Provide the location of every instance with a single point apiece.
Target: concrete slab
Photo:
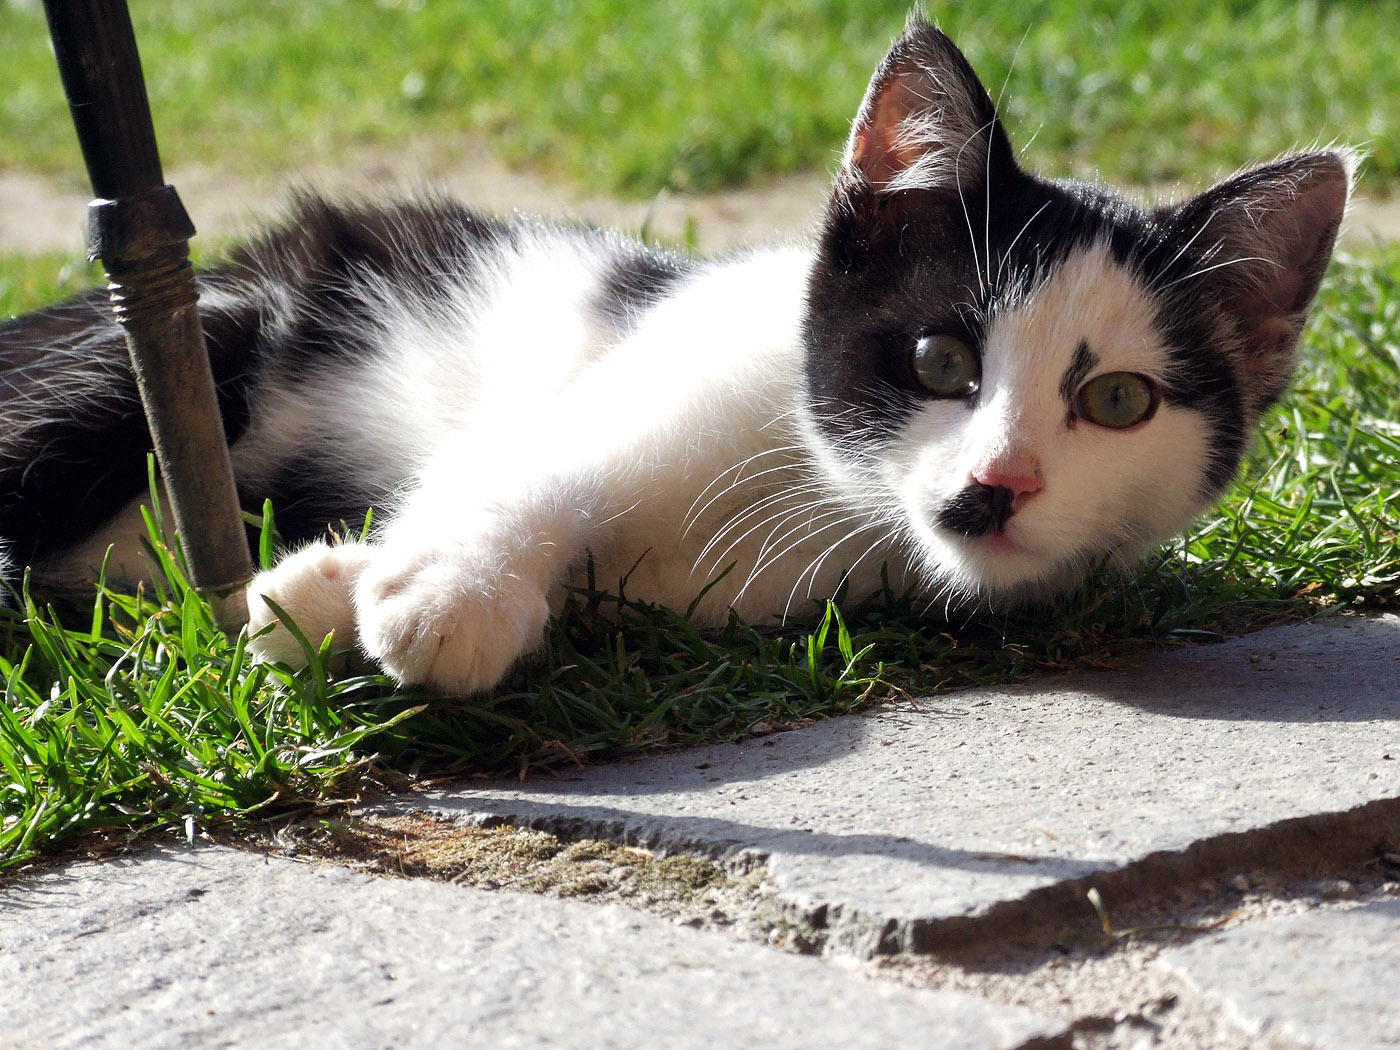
(894, 826)
(1329, 979)
(213, 947)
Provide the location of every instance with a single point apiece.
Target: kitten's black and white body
(976, 380)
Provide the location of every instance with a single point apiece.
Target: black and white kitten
(986, 381)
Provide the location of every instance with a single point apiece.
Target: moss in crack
(692, 890)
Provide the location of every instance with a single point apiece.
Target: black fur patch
(73, 437)
(328, 261)
(637, 280)
(1083, 362)
(308, 502)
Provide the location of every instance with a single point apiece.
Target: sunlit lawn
(146, 717)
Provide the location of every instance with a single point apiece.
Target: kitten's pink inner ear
(1267, 318)
(882, 149)
(1302, 236)
(1267, 310)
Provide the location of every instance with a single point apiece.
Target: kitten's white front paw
(436, 618)
(314, 586)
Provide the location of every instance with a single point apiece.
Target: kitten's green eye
(946, 366)
(1117, 400)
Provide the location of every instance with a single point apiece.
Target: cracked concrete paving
(1243, 799)
(1323, 980)
(215, 947)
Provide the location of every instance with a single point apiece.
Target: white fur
(535, 441)
(686, 448)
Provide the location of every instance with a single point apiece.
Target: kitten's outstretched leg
(452, 615)
(314, 586)
(455, 608)
(441, 617)
(456, 583)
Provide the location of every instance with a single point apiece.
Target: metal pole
(139, 229)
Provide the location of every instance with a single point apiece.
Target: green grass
(146, 717)
(30, 281)
(694, 94)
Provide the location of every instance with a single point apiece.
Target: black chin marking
(978, 510)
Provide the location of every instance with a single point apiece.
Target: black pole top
(96, 50)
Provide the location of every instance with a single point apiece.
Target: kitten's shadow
(1044, 751)
(1346, 669)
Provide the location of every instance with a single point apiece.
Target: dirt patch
(46, 214)
(690, 891)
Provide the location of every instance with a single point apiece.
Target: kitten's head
(1029, 376)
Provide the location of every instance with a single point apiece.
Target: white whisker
(692, 515)
(747, 513)
(736, 469)
(781, 518)
(814, 569)
(1218, 266)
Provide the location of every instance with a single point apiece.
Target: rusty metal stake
(139, 229)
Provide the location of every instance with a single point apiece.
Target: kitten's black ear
(1267, 236)
(927, 123)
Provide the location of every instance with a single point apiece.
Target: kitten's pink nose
(1020, 482)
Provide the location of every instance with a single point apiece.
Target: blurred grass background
(632, 98)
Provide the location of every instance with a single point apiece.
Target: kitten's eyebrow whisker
(1205, 225)
(977, 262)
(1006, 255)
(1010, 69)
(1217, 266)
(987, 196)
